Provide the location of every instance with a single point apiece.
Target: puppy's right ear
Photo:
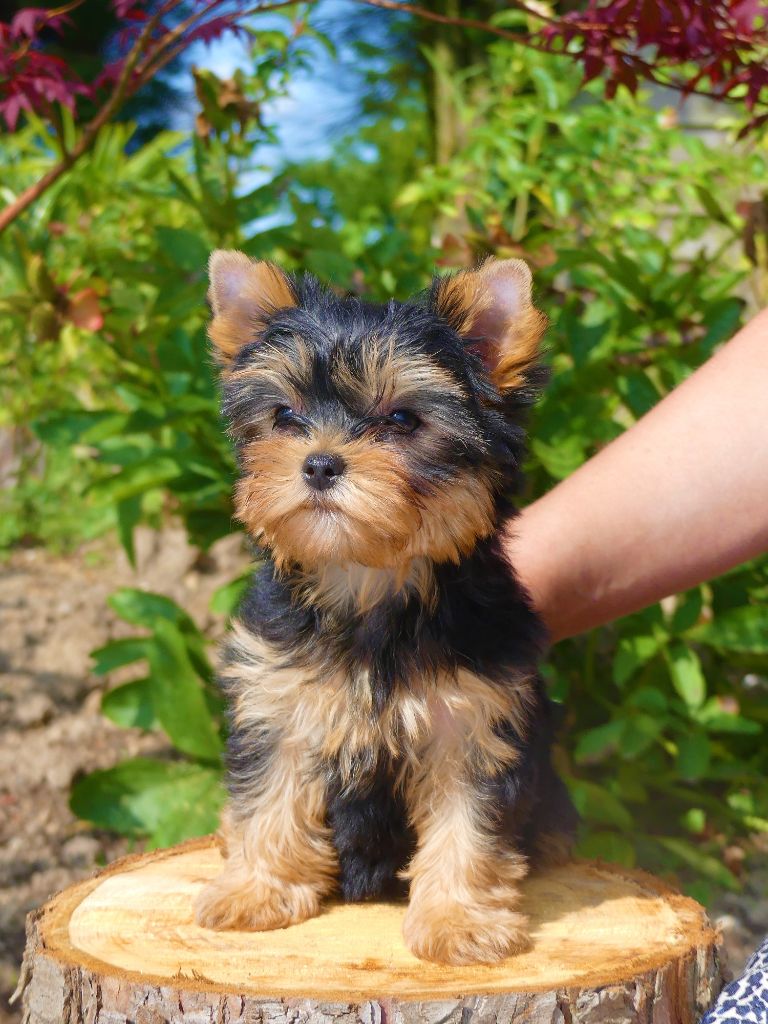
(244, 294)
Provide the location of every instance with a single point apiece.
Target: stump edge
(60, 984)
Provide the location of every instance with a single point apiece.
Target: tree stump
(610, 946)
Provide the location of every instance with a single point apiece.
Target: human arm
(681, 497)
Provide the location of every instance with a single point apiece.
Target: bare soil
(53, 612)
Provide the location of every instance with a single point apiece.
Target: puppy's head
(373, 433)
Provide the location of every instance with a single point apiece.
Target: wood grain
(608, 945)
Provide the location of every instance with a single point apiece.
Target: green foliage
(670, 726)
(131, 402)
(630, 223)
(164, 800)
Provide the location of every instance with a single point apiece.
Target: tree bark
(609, 947)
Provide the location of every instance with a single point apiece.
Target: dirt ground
(53, 611)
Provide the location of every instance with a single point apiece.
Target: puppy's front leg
(464, 878)
(280, 860)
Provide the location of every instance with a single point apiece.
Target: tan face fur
(403, 495)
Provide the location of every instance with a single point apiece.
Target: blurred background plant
(643, 217)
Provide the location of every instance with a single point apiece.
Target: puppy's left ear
(244, 294)
(491, 307)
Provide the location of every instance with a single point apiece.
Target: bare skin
(679, 498)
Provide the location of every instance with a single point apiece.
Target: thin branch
(148, 56)
(644, 69)
(261, 8)
(157, 61)
(56, 12)
(140, 65)
(445, 19)
(92, 129)
(172, 35)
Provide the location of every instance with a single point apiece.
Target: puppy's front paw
(459, 935)
(254, 906)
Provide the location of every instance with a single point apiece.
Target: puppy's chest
(340, 714)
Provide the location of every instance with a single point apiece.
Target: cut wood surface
(608, 946)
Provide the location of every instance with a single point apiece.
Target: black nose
(322, 471)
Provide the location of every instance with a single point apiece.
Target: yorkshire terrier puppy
(387, 721)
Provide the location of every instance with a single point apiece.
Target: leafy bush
(166, 800)
(630, 222)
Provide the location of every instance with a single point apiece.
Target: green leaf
(330, 264)
(257, 203)
(136, 479)
(79, 425)
(582, 338)
(639, 392)
(704, 863)
(741, 629)
(182, 185)
(722, 319)
(596, 744)
(755, 824)
(711, 205)
(650, 700)
(118, 653)
(735, 725)
(206, 526)
(546, 87)
(560, 460)
(640, 732)
(183, 248)
(687, 677)
(412, 192)
(225, 599)
(144, 608)
(610, 846)
(629, 785)
(128, 516)
(703, 892)
(719, 716)
(687, 611)
(633, 652)
(178, 696)
(165, 800)
(130, 705)
(694, 820)
(598, 805)
(693, 756)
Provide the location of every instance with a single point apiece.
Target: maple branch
(484, 26)
(167, 51)
(148, 56)
(143, 61)
(90, 132)
(644, 69)
(172, 35)
(56, 12)
(276, 5)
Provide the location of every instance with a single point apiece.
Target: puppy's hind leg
(372, 837)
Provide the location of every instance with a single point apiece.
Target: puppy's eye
(404, 419)
(284, 416)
